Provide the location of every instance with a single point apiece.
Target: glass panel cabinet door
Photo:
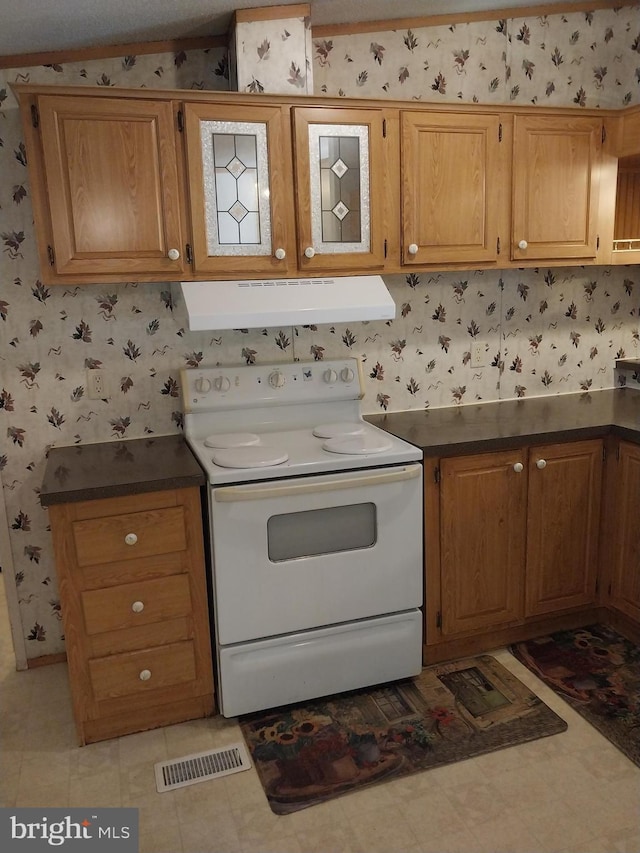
(339, 171)
(239, 172)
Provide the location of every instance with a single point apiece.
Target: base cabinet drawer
(133, 604)
(133, 673)
(125, 537)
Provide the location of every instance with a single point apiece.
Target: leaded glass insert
(339, 160)
(235, 166)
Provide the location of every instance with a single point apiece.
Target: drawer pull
(137, 606)
(145, 675)
(131, 538)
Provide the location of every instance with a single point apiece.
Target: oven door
(291, 555)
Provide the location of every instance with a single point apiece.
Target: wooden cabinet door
(563, 522)
(483, 529)
(111, 173)
(240, 175)
(625, 583)
(555, 187)
(455, 180)
(340, 177)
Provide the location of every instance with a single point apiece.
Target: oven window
(321, 531)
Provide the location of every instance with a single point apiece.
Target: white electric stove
(315, 533)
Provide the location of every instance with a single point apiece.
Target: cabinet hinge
(385, 248)
(598, 242)
(498, 246)
(597, 586)
(618, 453)
(52, 257)
(609, 589)
(604, 134)
(604, 453)
(500, 132)
(384, 128)
(180, 119)
(35, 116)
(189, 253)
(438, 619)
(436, 474)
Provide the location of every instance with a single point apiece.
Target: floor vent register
(201, 766)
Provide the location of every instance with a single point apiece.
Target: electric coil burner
(315, 533)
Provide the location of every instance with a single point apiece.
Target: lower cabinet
(132, 583)
(511, 536)
(625, 580)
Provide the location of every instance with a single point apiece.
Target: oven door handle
(273, 490)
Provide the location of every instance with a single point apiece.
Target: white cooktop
(253, 423)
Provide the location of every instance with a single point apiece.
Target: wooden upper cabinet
(455, 181)
(555, 187)
(111, 201)
(483, 505)
(625, 582)
(240, 184)
(340, 178)
(564, 518)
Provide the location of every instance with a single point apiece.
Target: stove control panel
(217, 388)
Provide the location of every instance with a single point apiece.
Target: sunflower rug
(597, 671)
(306, 754)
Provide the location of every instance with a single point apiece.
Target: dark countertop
(111, 469)
(512, 423)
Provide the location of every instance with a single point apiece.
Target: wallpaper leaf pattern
(543, 331)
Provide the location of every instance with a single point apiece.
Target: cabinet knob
(309, 252)
(173, 254)
(280, 254)
(413, 248)
(131, 538)
(137, 606)
(522, 244)
(518, 467)
(541, 463)
(145, 675)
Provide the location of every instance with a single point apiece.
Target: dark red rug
(597, 671)
(305, 754)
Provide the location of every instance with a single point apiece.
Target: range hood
(253, 304)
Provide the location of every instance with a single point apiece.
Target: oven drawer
(283, 670)
(135, 673)
(125, 537)
(133, 604)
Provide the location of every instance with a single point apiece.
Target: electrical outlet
(96, 385)
(478, 354)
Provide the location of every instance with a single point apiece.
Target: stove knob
(202, 385)
(346, 374)
(221, 383)
(330, 376)
(276, 379)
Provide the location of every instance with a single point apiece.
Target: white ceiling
(32, 26)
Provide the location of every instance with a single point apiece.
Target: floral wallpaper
(272, 56)
(543, 331)
(585, 59)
